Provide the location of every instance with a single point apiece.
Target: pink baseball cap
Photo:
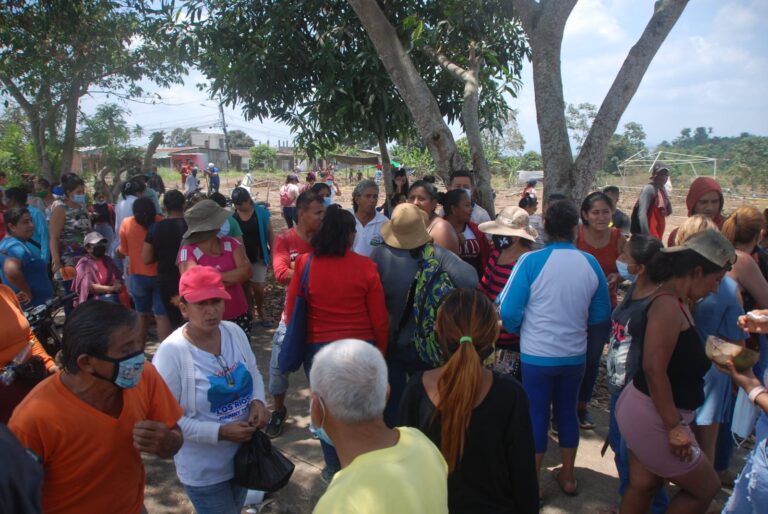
(202, 283)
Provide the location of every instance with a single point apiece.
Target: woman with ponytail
(478, 419)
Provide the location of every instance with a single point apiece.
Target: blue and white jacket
(552, 298)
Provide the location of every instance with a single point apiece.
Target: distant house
(208, 140)
(175, 157)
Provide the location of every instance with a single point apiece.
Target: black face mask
(502, 242)
(99, 251)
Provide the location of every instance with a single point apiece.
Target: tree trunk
(592, 155)
(412, 88)
(470, 114)
(544, 23)
(155, 141)
(386, 168)
(70, 126)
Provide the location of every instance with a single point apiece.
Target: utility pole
(226, 135)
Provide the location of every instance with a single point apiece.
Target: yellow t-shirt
(410, 477)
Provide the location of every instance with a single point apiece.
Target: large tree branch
(454, 69)
(410, 85)
(528, 10)
(627, 81)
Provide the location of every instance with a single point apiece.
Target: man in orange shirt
(90, 423)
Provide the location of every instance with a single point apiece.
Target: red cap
(201, 283)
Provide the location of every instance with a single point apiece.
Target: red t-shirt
(605, 256)
(346, 299)
(287, 247)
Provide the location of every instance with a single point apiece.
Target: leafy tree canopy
(239, 139)
(54, 52)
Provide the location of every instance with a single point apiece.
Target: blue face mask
(327, 202)
(320, 431)
(79, 199)
(127, 372)
(623, 269)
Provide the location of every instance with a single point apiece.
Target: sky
(711, 71)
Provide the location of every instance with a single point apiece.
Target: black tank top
(686, 368)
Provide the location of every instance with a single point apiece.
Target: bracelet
(755, 392)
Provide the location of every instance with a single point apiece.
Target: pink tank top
(238, 305)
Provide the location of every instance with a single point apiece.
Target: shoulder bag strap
(305, 277)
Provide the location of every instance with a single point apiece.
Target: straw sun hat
(407, 229)
(511, 221)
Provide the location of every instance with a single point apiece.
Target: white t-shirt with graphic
(225, 385)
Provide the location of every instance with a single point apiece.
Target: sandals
(572, 492)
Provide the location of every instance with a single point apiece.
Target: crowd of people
(443, 348)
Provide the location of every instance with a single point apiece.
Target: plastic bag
(260, 466)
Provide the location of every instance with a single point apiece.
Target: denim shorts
(146, 295)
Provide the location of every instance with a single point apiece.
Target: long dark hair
(144, 212)
(333, 237)
(451, 199)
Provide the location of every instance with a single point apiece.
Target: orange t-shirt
(89, 460)
(132, 237)
(15, 330)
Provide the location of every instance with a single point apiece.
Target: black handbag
(258, 465)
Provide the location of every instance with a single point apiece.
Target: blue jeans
(556, 386)
(621, 458)
(146, 295)
(750, 493)
(329, 452)
(402, 363)
(289, 215)
(222, 498)
(278, 381)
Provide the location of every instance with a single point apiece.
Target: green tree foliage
(742, 159)
(239, 139)
(578, 119)
(623, 146)
(107, 127)
(262, 156)
(17, 156)
(181, 137)
(54, 52)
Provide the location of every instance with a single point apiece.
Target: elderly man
(384, 470)
(90, 423)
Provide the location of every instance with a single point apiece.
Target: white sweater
(174, 362)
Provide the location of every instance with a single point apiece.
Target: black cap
(240, 195)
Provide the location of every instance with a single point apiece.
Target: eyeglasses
(225, 369)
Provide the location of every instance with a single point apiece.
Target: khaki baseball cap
(710, 244)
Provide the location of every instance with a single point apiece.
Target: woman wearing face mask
(97, 275)
(473, 245)
(626, 339)
(210, 369)
(512, 237)
(323, 190)
(423, 195)
(597, 238)
(69, 225)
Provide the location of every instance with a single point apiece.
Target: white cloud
(592, 17)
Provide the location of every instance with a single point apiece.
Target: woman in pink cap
(210, 368)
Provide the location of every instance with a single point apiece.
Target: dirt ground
(596, 474)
